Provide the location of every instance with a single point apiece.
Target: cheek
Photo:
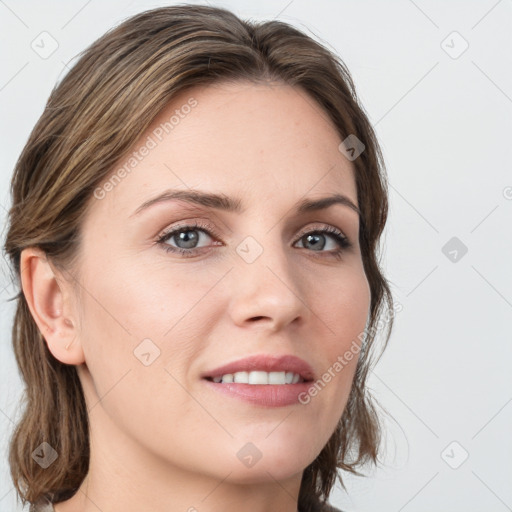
(344, 305)
(344, 308)
(141, 329)
(136, 309)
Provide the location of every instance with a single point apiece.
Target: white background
(445, 125)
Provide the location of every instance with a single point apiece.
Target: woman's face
(249, 282)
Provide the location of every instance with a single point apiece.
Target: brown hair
(92, 117)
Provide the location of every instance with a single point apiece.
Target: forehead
(257, 141)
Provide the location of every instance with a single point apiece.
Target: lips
(267, 363)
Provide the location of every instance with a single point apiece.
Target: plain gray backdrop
(436, 81)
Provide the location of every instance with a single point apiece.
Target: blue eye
(189, 236)
(317, 237)
(183, 235)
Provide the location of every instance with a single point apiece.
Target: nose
(267, 292)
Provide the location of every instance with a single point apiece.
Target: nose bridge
(264, 285)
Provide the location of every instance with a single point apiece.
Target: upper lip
(267, 363)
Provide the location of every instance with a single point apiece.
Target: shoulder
(330, 508)
(313, 504)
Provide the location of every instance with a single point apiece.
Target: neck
(123, 475)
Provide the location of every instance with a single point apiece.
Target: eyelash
(341, 239)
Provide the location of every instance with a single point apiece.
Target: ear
(51, 307)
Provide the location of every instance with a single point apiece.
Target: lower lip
(267, 395)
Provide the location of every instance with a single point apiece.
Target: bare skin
(161, 439)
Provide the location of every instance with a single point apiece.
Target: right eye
(185, 235)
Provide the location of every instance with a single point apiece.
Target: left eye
(316, 238)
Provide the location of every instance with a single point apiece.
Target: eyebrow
(226, 203)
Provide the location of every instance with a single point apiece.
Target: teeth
(259, 377)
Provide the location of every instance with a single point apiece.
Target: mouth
(263, 369)
(259, 377)
(256, 393)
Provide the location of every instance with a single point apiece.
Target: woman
(195, 228)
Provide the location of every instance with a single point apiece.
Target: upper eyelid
(191, 225)
(211, 231)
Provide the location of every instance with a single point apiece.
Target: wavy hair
(113, 92)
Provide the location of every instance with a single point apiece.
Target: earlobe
(50, 307)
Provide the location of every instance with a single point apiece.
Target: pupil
(189, 240)
(315, 239)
